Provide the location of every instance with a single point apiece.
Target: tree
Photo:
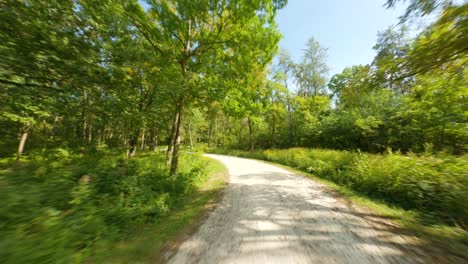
(197, 36)
(443, 41)
(349, 86)
(284, 69)
(311, 72)
(308, 115)
(249, 100)
(278, 114)
(435, 112)
(49, 53)
(364, 108)
(419, 7)
(391, 61)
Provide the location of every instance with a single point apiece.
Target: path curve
(270, 215)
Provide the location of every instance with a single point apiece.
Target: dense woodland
(89, 73)
(114, 73)
(100, 87)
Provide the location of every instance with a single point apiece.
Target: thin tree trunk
(44, 128)
(216, 131)
(100, 136)
(273, 131)
(190, 134)
(84, 115)
(210, 129)
(170, 146)
(239, 139)
(85, 127)
(143, 140)
(290, 130)
(90, 131)
(178, 129)
(133, 146)
(154, 139)
(250, 134)
(52, 129)
(22, 142)
(180, 105)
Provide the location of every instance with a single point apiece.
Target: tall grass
(69, 207)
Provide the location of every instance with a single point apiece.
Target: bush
(78, 203)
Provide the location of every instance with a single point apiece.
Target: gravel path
(270, 215)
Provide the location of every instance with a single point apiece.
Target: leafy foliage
(311, 72)
(410, 98)
(78, 203)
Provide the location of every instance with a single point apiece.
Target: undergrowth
(67, 207)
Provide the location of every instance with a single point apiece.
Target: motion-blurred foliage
(76, 203)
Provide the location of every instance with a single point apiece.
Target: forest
(106, 107)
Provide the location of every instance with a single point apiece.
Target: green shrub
(66, 207)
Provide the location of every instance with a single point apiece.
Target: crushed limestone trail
(270, 215)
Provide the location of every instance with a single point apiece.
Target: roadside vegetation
(71, 207)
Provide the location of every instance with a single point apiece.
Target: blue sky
(348, 28)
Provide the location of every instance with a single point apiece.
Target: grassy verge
(150, 243)
(75, 206)
(435, 235)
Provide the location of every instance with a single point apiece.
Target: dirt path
(269, 215)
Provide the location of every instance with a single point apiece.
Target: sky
(347, 28)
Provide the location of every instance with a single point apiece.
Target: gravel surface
(270, 215)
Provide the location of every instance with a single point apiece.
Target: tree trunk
(100, 136)
(178, 135)
(190, 134)
(84, 115)
(273, 132)
(210, 129)
(154, 140)
(180, 105)
(44, 128)
(90, 131)
(216, 132)
(290, 125)
(239, 140)
(133, 146)
(85, 127)
(143, 142)
(250, 134)
(52, 129)
(170, 146)
(22, 142)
